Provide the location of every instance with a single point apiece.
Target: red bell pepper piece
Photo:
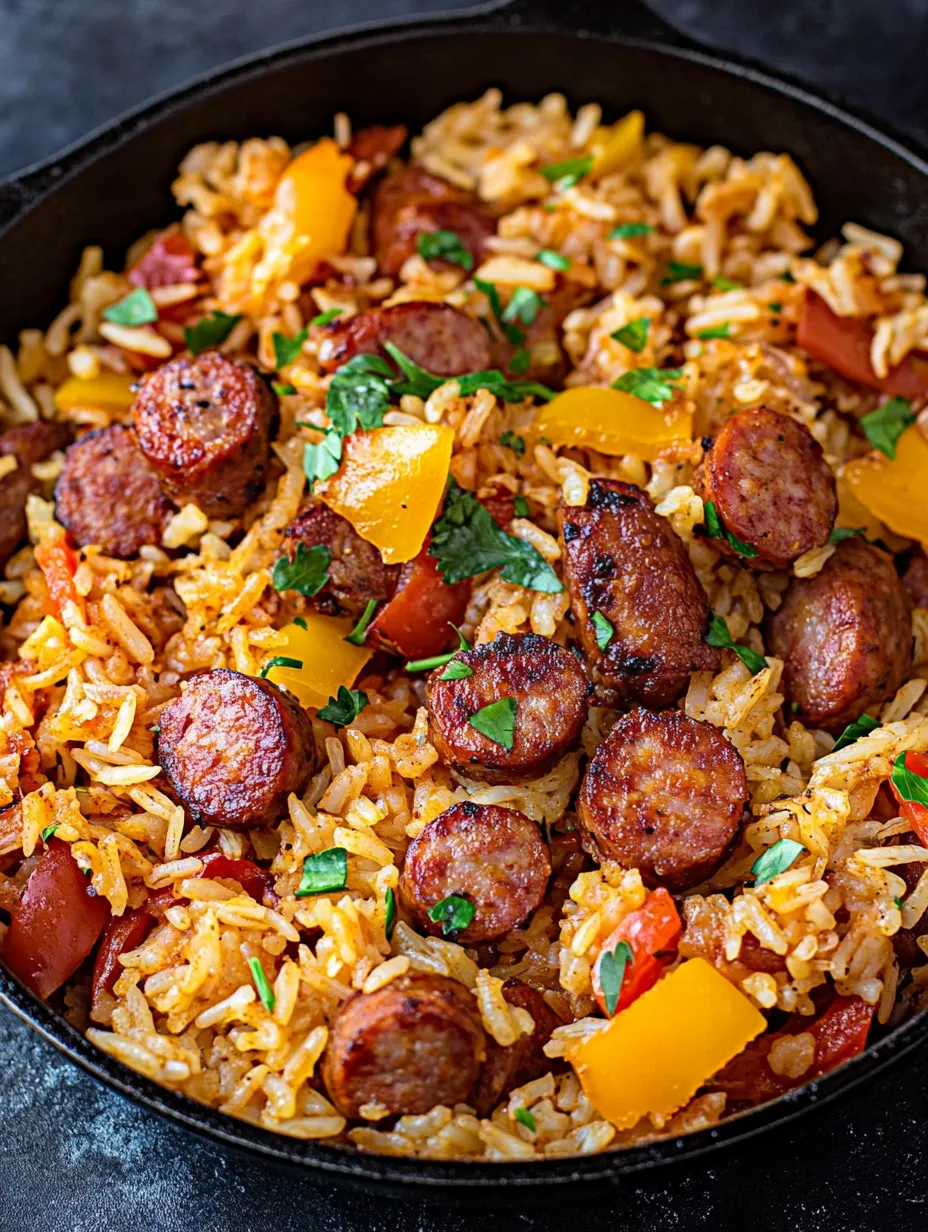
(652, 932)
(125, 933)
(843, 343)
(915, 813)
(59, 564)
(415, 623)
(840, 1033)
(169, 260)
(56, 923)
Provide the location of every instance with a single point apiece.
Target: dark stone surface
(75, 1157)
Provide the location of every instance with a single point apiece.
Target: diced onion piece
(656, 1054)
(893, 490)
(110, 391)
(613, 422)
(390, 485)
(328, 660)
(313, 210)
(616, 146)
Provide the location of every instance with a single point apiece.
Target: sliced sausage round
(412, 201)
(233, 748)
(664, 794)
(915, 578)
(494, 857)
(27, 443)
(771, 487)
(108, 494)
(205, 423)
(439, 338)
(372, 148)
(409, 1046)
(507, 1068)
(624, 561)
(845, 637)
(356, 571)
(550, 694)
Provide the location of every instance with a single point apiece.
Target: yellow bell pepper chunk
(614, 422)
(110, 391)
(328, 660)
(894, 489)
(390, 484)
(313, 210)
(654, 1056)
(616, 146)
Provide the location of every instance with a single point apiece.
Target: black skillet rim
(18, 194)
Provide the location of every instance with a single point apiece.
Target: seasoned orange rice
(81, 694)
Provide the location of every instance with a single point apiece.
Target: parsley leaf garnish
(520, 506)
(324, 872)
(457, 669)
(909, 786)
(265, 992)
(280, 661)
(426, 665)
(446, 245)
(860, 727)
(654, 385)
(210, 332)
(526, 1118)
(565, 174)
(634, 335)
(453, 913)
(359, 632)
(775, 307)
(323, 460)
(512, 441)
(725, 284)
(717, 331)
(612, 966)
(524, 305)
(359, 393)
(507, 391)
(327, 317)
(630, 230)
(719, 636)
(389, 920)
(343, 709)
(840, 533)
(307, 572)
(553, 260)
(497, 721)
(884, 426)
(679, 271)
(511, 332)
(604, 630)
(282, 390)
(136, 308)
(521, 358)
(466, 541)
(287, 349)
(49, 831)
(715, 529)
(776, 859)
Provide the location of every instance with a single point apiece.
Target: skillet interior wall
(124, 189)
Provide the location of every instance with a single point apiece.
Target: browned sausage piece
(550, 691)
(233, 748)
(439, 338)
(507, 1068)
(412, 201)
(356, 571)
(915, 578)
(845, 637)
(205, 423)
(625, 561)
(27, 443)
(372, 148)
(409, 1046)
(771, 486)
(108, 494)
(494, 857)
(664, 794)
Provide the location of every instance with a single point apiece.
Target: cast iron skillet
(114, 185)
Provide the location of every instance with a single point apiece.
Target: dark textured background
(74, 1157)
